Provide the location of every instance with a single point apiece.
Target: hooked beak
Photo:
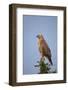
(37, 36)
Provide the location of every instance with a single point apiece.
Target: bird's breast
(39, 43)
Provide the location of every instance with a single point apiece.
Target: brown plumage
(44, 48)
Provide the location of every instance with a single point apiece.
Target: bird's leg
(42, 58)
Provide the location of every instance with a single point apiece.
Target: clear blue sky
(33, 25)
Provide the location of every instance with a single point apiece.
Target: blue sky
(33, 25)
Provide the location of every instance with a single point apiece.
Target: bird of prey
(44, 48)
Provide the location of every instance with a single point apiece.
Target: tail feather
(50, 61)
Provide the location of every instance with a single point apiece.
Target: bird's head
(39, 36)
